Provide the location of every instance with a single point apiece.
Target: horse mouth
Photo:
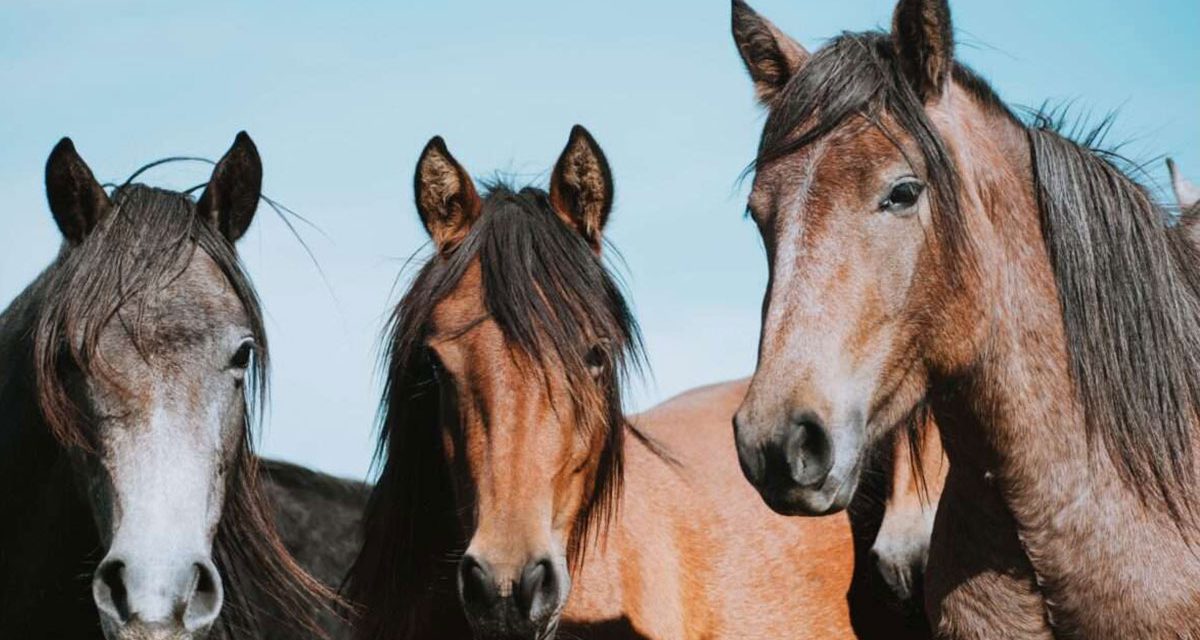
(155, 632)
(831, 496)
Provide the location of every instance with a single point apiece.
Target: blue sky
(341, 96)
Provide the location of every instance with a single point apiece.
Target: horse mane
(544, 287)
(1129, 293)
(1130, 298)
(145, 241)
(859, 75)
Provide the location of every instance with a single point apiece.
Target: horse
(916, 473)
(134, 506)
(516, 499)
(927, 245)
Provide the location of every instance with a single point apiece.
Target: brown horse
(925, 243)
(917, 473)
(509, 482)
(132, 504)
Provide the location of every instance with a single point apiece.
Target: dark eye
(903, 196)
(434, 363)
(241, 358)
(596, 360)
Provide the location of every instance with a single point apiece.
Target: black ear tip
(436, 143)
(580, 132)
(64, 146)
(1171, 165)
(742, 11)
(243, 142)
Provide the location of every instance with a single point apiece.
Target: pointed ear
(924, 41)
(231, 197)
(77, 201)
(1186, 193)
(771, 57)
(446, 196)
(581, 187)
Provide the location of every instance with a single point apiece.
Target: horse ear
(77, 201)
(446, 198)
(771, 57)
(1186, 193)
(231, 197)
(581, 187)
(924, 40)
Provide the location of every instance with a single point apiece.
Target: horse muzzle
(525, 606)
(157, 599)
(802, 465)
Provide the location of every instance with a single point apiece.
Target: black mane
(548, 292)
(1129, 291)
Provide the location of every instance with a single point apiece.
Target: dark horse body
(926, 245)
(319, 518)
(124, 431)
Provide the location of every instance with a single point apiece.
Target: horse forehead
(463, 305)
(187, 311)
(202, 296)
(845, 161)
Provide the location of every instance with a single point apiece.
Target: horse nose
(184, 595)
(902, 570)
(531, 597)
(538, 594)
(799, 454)
(808, 450)
(477, 584)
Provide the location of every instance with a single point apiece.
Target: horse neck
(1102, 559)
(48, 539)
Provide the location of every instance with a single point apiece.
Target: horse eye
(596, 360)
(903, 196)
(241, 358)
(435, 363)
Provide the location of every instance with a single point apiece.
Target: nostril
(109, 591)
(203, 604)
(476, 585)
(750, 454)
(538, 595)
(809, 452)
(876, 557)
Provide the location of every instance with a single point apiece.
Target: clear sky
(341, 96)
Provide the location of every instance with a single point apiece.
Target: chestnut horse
(132, 504)
(925, 243)
(511, 501)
